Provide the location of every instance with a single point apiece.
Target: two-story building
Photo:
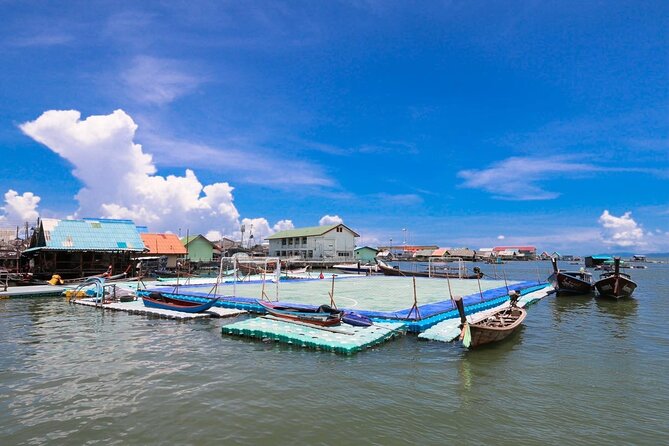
(330, 242)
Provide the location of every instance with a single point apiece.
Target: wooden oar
(331, 293)
(306, 324)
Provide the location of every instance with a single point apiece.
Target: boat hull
(390, 271)
(356, 269)
(566, 283)
(616, 286)
(305, 315)
(496, 327)
(356, 319)
(158, 300)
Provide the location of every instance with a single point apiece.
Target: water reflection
(564, 305)
(621, 314)
(478, 361)
(620, 309)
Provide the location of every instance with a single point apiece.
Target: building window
(283, 242)
(304, 240)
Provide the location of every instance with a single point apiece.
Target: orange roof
(163, 244)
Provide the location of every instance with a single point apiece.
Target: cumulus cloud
(19, 208)
(500, 237)
(119, 179)
(283, 225)
(260, 227)
(214, 236)
(330, 220)
(621, 231)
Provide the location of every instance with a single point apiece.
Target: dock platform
(31, 291)
(137, 307)
(345, 339)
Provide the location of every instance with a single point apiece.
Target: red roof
(163, 244)
(514, 248)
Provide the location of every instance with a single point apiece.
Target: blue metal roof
(91, 234)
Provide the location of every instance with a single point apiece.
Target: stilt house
(80, 248)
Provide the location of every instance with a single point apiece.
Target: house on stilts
(81, 248)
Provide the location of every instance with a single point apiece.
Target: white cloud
(517, 178)
(500, 237)
(283, 225)
(158, 81)
(257, 227)
(19, 208)
(330, 220)
(232, 156)
(213, 236)
(41, 39)
(119, 179)
(621, 231)
(260, 228)
(399, 199)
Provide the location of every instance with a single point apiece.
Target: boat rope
(414, 307)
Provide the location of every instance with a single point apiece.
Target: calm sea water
(581, 371)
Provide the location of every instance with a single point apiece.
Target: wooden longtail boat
(492, 328)
(159, 300)
(570, 282)
(614, 283)
(356, 268)
(324, 316)
(390, 271)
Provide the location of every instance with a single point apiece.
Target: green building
(365, 254)
(199, 248)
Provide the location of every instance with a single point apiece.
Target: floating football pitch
(375, 293)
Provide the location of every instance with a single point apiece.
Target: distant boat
(492, 328)
(570, 282)
(356, 268)
(614, 283)
(160, 300)
(495, 261)
(324, 316)
(252, 268)
(390, 271)
(166, 273)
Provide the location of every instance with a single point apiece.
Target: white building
(331, 242)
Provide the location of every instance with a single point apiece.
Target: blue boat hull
(169, 303)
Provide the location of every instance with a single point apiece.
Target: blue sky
(466, 123)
